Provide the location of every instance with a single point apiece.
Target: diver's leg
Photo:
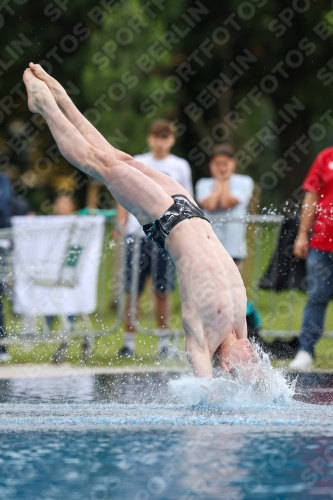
(145, 199)
(91, 135)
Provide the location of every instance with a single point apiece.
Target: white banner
(56, 263)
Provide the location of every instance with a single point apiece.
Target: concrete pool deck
(66, 369)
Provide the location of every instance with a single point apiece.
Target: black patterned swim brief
(180, 210)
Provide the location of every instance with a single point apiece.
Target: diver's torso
(211, 288)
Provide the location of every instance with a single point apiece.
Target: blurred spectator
(226, 194)
(64, 204)
(154, 262)
(5, 206)
(317, 210)
(20, 207)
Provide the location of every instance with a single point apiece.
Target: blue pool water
(166, 437)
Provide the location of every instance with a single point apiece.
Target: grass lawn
(105, 348)
(281, 311)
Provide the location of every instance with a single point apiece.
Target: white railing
(262, 237)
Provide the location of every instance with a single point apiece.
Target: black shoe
(125, 352)
(164, 351)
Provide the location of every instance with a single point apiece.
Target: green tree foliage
(119, 76)
(291, 45)
(289, 40)
(54, 34)
(277, 47)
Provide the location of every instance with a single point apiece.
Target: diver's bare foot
(37, 90)
(56, 89)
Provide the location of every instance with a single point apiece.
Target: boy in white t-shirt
(153, 262)
(227, 195)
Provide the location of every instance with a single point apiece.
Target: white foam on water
(255, 385)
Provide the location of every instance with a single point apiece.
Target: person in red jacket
(317, 216)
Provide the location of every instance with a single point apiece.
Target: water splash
(145, 401)
(254, 386)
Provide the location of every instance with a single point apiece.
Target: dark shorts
(154, 262)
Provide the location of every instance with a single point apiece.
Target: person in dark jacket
(285, 271)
